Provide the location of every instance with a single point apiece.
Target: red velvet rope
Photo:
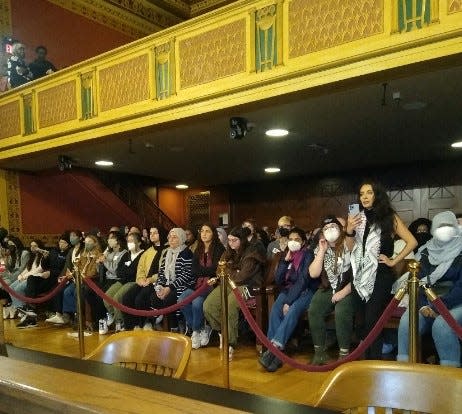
(444, 312)
(139, 312)
(316, 368)
(27, 299)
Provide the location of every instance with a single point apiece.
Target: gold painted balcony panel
(321, 24)
(213, 55)
(10, 123)
(124, 83)
(454, 6)
(57, 105)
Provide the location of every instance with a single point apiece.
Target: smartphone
(353, 209)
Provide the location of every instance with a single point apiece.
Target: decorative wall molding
(120, 19)
(199, 7)
(14, 202)
(148, 11)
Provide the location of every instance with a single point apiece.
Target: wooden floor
(204, 367)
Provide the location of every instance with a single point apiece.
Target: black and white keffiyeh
(335, 267)
(364, 262)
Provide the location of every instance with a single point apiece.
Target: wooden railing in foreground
(27, 388)
(38, 389)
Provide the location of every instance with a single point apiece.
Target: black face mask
(422, 238)
(283, 232)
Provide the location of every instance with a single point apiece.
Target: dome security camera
(238, 127)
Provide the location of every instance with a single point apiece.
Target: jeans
(19, 286)
(69, 299)
(446, 341)
(194, 311)
(282, 326)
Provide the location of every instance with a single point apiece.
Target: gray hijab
(438, 251)
(442, 254)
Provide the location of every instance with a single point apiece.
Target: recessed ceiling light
(182, 186)
(272, 170)
(456, 144)
(104, 163)
(277, 132)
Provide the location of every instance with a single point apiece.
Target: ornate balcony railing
(247, 51)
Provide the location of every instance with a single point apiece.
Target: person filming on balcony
(18, 72)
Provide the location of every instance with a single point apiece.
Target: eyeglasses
(232, 240)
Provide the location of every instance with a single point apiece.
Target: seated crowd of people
(347, 267)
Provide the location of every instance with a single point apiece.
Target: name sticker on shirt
(128, 263)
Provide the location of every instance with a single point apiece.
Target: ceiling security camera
(238, 128)
(64, 163)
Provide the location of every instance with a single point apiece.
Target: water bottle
(102, 325)
(118, 326)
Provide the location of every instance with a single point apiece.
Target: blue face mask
(74, 240)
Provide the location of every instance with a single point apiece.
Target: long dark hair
(121, 240)
(16, 253)
(35, 256)
(162, 235)
(79, 234)
(235, 255)
(383, 212)
(200, 250)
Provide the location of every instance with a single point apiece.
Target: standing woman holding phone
(369, 237)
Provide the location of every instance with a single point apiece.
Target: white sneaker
(58, 319)
(196, 339)
(147, 326)
(159, 319)
(6, 312)
(137, 328)
(205, 335)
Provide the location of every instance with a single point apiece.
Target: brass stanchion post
(413, 289)
(224, 322)
(3, 351)
(80, 312)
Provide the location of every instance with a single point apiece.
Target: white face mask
(331, 234)
(445, 233)
(112, 243)
(131, 246)
(294, 246)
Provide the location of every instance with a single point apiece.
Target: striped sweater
(183, 272)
